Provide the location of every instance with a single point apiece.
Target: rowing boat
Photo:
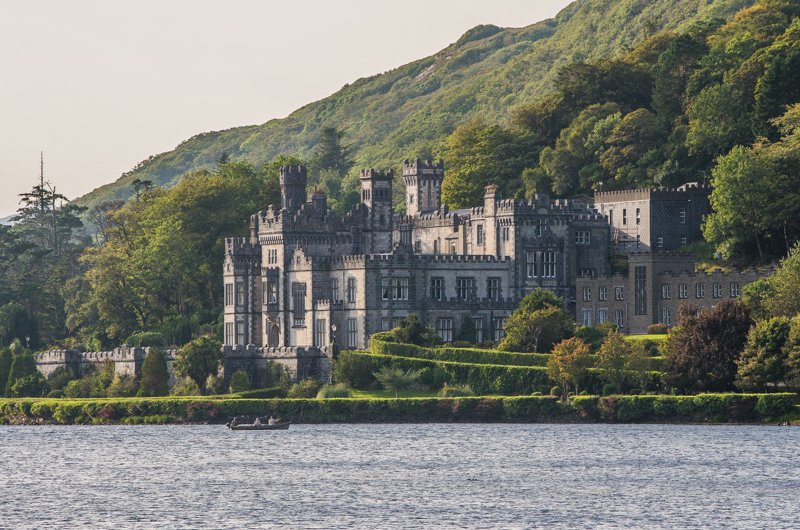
(262, 427)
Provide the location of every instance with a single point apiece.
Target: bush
(123, 386)
(59, 378)
(307, 388)
(23, 365)
(185, 387)
(155, 377)
(556, 391)
(609, 389)
(5, 368)
(146, 339)
(334, 391)
(55, 394)
(263, 393)
(456, 391)
(34, 385)
(657, 329)
(353, 370)
(240, 382)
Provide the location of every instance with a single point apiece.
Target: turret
(293, 181)
(376, 190)
(423, 181)
(491, 197)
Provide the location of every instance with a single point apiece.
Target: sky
(99, 86)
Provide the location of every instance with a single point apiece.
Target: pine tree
(155, 378)
(22, 366)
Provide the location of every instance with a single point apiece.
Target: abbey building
(308, 278)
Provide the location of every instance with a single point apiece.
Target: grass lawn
(414, 393)
(655, 338)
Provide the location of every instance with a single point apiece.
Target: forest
(715, 101)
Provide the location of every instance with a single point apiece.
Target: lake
(401, 476)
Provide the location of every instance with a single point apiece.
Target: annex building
(307, 277)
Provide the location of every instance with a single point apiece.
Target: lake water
(401, 476)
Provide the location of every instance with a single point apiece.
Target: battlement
(650, 193)
(372, 173)
(423, 167)
(241, 246)
(287, 173)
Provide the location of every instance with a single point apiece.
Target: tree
(199, 359)
(538, 323)
(240, 382)
(34, 385)
(613, 358)
(18, 324)
(353, 370)
(569, 363)
(395, 378)
(764, 361)
(632, 149)
(5, 368)
(467, 332)
(155, 377)
(784, 286)
(638, 363)
(22, 366)
(411, 330)
(331, 153)
(702, 350)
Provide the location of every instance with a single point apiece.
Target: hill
(405, 112)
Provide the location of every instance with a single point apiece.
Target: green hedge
(262, 393)
(701, 408)
(473, 355)
(486, 379)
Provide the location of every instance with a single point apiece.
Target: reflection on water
(396, 476)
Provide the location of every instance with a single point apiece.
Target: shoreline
(704, 409)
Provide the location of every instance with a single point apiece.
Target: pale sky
(101, 85)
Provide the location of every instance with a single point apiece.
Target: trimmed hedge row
(473, 355)
(489, 378)
(702, 408)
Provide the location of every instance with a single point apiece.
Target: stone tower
(423, 181)
(293, 181)
(376, 195)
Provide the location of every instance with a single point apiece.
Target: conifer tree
(155, 379)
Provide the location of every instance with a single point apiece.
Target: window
(587, 294)
(352, 333)
(624, 216)
(587, 317)
(418, 246)
(640, 290)
(583, 237)
(602, 315)
(700, 290)
(665, 292)
(272, 256)
(498, 328)
(437, 288)
(549, 265)
(735, 290)
(228, 294)
(666, 316)
(611, 217)
(335, 290)
(271, 292)
(240, 293)
(683, 291)
(229, 333)
(683, 240)
(717, 290)
(493, 288)
(435, 246)
(506, 233)
(299, 303)
(444, 328)
(479, 234)
(619, 318)
(321, 334)
(465, 288)
(682, 216)
(240, 335)
(638, 216)
(602, 293)
(531, 262)
(480, 329)
(452, 248)
(394, 288)
(660, 242)
(619, 293)
(351, 290)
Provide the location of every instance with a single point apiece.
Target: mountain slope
(404, 112)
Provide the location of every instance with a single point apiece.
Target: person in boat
(272, 421)
(235, 422)
(257, 423)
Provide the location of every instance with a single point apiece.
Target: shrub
(59, 378)
(556, 391)
(411, 330)
(353, 370)
(240, 382)
(123, 386)
(22, 365)
(55, 394)
(198, 359)
(263, 393)
(569, 363)
(456, 391)
(94, 383)
(393, 378)
(5, 368)
(34, 385)
(307, 388)
(772, 406)
(185, 387)
(155, 377)
(145, 339)
(657, 329)
(609, 389)
(334, 391)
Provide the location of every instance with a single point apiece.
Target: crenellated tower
(376, 195)
(423, 181)
(294, 180)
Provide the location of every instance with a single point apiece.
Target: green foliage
(411, 330)
(456, 391)
(18, 324)
(5, 369)
(537, 324)
(307, 388)
(352, 370)
(146, 339)
(657, 329)
(59, 378)
(396, 379)
(185, 387)
(334, 391)
(154, 377)
(240, 382)
(764, 361)
(782, 290)
(199, 359)
(23, 366)
(569, 363)
(702, 350)
(263, 393)
(124, 385)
